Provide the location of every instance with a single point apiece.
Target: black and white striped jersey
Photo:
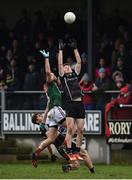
(70, 86)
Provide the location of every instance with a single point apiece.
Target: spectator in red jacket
(87, 96)
(124, 97)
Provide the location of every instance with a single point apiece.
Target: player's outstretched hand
(46, 55)
(73, 43)
(61, 44)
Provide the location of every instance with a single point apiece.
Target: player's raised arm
(45, 113)
(73, 44)
(60, 58)
(45, 88)
(47, 65)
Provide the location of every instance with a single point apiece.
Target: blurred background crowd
(21, 64)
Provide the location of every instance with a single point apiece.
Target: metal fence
(26, 101)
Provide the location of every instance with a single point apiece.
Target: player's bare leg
(52, 134)
(73, 165)
(80, 127)
(87, 160)
(68, 139)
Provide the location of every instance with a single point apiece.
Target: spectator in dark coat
(102, 83)
(32, 79)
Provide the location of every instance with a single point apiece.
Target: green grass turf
(49, 170)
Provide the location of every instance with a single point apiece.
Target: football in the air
(69, 17)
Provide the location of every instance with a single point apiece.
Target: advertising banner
(120, 125)
(20, 122)
(121, 131)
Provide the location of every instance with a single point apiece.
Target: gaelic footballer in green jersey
(54, 114)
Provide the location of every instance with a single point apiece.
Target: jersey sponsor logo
(72, 79)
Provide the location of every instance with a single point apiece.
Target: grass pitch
(49, 170)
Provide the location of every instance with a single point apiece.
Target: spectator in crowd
(121, 53)
(13, 84)
(120, 66)
(102, 63)
(23, 25)
(12, 77)
(4, 32)
(26, 44)
(117, 75)
(84, 64)
(8, 57)
(2, 73)
(87, 95)
(32, 79)
(3, 85)
(35, 56)
(39, 24)
(115, 50)
(102, 83)
(42, 39)
(2, 54)
(118, 82)
(15, 47)
(31, 83)
(124, 98)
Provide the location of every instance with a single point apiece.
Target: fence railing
(33, 100)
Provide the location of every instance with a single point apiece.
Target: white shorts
(55, 116)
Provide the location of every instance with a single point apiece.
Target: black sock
(76, 150)
(92, 170)
(69, 150)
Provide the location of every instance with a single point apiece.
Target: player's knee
(80, 131)
(69, 130)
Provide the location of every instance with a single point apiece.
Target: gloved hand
(73, 43)
(46, 55)
(61, 44)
